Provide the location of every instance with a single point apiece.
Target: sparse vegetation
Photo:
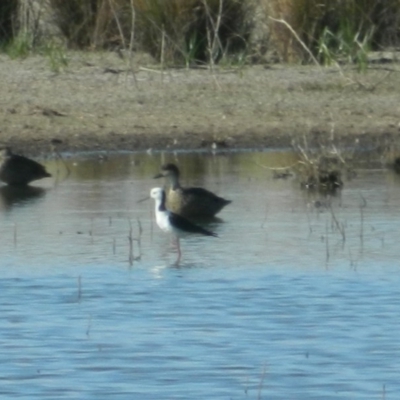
(20, 47)
(56, 56)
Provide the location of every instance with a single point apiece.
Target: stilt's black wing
(185, 225)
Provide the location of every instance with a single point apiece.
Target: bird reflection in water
(17, 195)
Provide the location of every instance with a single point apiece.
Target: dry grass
(342, 25)
(207, 31)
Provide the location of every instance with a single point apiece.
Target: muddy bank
(101, 102)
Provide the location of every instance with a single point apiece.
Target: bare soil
(100, 102)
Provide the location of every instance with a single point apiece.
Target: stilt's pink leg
(178, 246)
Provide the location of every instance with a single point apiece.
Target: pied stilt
(173, 223)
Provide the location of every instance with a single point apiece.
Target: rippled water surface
(298, 298)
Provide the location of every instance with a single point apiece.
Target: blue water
(280, 306)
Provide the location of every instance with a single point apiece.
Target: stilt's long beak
(144, 199)
(160, 175)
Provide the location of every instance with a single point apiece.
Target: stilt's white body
(162, 219)
(170, 222)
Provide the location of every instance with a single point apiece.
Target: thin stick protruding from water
(139, 239)
(260, 386)
(130, 241)
(89, 326)
(363, 204)
(338, 225)
(15, 234)
(327, 242)
(79, 288)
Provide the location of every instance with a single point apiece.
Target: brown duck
(189, 202)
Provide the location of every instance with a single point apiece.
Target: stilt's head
(157, 194)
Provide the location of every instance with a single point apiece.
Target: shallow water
(298, 298)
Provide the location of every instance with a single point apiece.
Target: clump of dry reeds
(333, 29)
(320, 168)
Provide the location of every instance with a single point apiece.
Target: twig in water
(91, 231)
(15, 234)
(353, 263)
(339, 226)
(276, 168)
(79, 288)
(305, 156)
(260, 386)
(130, 241)
(327, 242)
(89, 326)
(139, 239)
(363, 204)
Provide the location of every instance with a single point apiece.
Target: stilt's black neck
(162, 207)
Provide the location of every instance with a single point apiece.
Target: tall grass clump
(175, 31)
(8, 10)
(335, 30)
(15, 38)
(94, 24)
(191, 31)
